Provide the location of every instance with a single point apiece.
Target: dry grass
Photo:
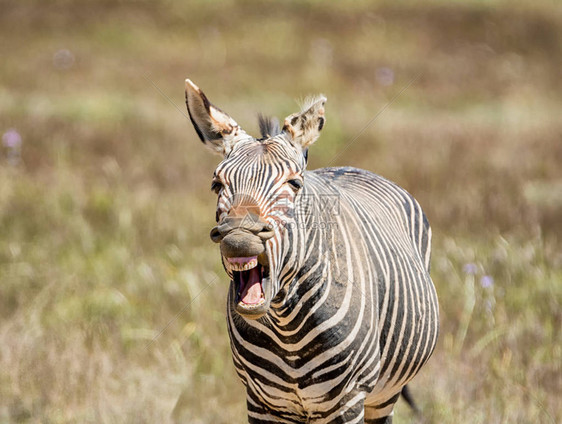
(111, 295)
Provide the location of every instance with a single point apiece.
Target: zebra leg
(382, 420)
(344, 414)
(265, 417)
(261, 414)
(381, 413)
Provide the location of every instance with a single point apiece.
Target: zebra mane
(269, 127)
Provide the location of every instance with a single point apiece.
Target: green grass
(112, 295)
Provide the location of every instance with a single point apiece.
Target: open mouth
(248, 275)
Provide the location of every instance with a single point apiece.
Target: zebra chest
(302, 367)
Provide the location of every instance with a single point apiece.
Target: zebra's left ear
(218, 131)
(304, 127)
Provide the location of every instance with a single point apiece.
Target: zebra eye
(295, 184)
(216, 186)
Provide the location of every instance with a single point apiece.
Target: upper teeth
(241, 264)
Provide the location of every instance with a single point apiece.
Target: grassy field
(112, 295)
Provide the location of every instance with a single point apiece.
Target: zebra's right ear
(304, 127)
(216, 129)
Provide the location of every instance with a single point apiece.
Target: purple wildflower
(470, 269)
(11, 139)
(486, 281)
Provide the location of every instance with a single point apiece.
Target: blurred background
(112, 295)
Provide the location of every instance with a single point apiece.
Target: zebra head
(258, 183)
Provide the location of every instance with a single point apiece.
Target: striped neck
(305, 253)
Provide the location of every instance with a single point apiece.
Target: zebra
(331, 310)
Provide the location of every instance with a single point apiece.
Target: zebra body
(343, 318)
(348, 313)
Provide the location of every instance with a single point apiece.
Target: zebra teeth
(241, 264)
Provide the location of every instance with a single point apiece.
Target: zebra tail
(407, 395)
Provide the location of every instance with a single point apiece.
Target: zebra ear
(216, 129)
(304, 127)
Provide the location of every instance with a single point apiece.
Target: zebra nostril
(267, 232)
(216, 236)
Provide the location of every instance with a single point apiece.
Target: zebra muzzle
(241, 244)
(250, 224)
(242, 239)
(243, 247)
